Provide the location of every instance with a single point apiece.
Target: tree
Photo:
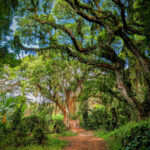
(10, 80)
(7, 9)
(56, 78)
(110, 35)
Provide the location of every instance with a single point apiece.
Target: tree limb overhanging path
(89, 31)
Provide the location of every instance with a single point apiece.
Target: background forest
(64, 60)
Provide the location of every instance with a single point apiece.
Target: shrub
(22, 129)
(28, 130)
(39, 135)
(2, 128)
(33, 121)
(22, 141)
(59, 126)
(16, 118)
(132, 136)
(99, 118)
(31, 129)
(139, 138)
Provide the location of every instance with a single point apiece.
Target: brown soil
(84, 141)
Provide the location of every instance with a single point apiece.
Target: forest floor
(84, 140)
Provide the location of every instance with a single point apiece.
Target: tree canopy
(84, 61)
(110, 35)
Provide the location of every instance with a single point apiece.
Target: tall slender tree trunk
(55, 109)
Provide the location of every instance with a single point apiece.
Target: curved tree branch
(19, 45)
(92, 62)
(70, 33)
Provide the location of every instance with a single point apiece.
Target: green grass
(100, 133)
(69, 133)
(52, 144)
(114, 138)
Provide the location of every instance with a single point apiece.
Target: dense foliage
(86, 60)
(59, 126)
(138, 138)
(131, 136)
(23, 130)
(110, 35)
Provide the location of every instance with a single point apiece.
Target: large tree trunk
(71, 106)
(122, 88)
(65, 113)
(55, 109)
(145, 67)
(70, 101)
(62, 108)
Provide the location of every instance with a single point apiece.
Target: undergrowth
(132, 136)
(53, 143)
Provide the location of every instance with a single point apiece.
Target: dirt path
(84, 141)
